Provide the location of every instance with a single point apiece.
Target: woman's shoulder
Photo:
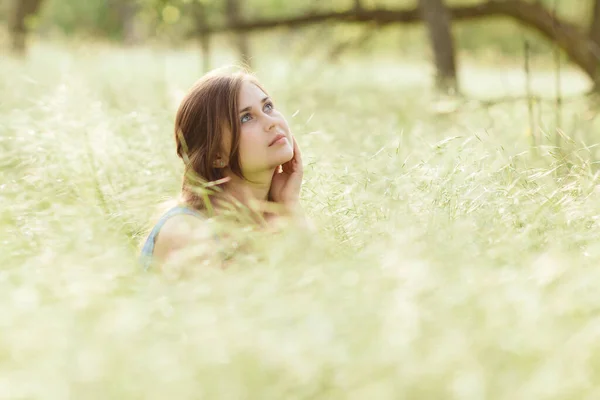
(184, 225)
(179, 231)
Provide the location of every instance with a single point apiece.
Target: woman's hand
(287, 181)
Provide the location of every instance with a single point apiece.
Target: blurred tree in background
(233, 11)
(572, 26)
(19, 17)
(437, 19)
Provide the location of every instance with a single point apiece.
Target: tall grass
(449, 261)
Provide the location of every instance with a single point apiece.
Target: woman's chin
(284, 155)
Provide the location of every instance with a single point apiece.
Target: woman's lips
(278, 139)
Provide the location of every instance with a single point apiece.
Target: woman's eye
(269, 106)
(245, 118)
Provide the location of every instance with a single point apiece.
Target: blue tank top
(148, 249)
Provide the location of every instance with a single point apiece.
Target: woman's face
(265, 138)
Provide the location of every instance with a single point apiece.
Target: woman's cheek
(250, 148)
(248, 139)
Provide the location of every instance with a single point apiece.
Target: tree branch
(380, 16)
(572, 40)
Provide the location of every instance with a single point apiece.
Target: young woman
(239, 155)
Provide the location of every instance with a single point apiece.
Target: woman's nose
(270, 122)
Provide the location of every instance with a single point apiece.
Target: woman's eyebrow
(250, 107)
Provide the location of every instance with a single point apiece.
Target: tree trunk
(233, 17)
(127, 11)
(437, 21)
(574, 41)
(21, 9)
(199, 12)
(595, 23)
(595, 31)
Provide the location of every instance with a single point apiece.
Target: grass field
(452, 260)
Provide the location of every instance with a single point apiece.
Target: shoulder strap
(148, 249)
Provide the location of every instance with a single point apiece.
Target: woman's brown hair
(207, 112)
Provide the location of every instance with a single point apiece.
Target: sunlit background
(451, 172)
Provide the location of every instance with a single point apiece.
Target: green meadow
(455, 254)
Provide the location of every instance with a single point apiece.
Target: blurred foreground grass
(451, 261)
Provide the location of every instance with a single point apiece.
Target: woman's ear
(219, 163)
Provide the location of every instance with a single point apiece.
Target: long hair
(207, 112)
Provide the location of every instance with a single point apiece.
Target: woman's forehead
(250, 93)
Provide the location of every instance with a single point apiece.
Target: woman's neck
(250, 192)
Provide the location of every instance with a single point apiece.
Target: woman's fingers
(297, 152)
(295, 164)
(297, 157)
(288, 168)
